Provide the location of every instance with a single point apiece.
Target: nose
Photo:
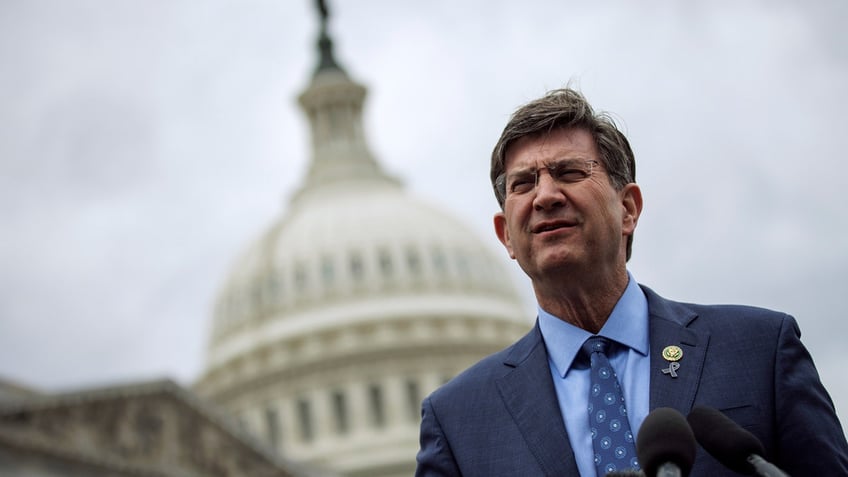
(549, 193)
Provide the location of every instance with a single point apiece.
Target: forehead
(558, 144)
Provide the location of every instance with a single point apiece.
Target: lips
(549, 225)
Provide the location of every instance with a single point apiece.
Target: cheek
(610, 209)
(516, 237)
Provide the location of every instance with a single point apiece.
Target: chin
(557, 267)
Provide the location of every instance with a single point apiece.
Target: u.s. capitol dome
(353, 305)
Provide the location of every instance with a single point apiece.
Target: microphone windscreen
(665, 437)
(725, 440)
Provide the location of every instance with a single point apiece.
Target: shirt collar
(626, 325)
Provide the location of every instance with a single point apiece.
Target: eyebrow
(547, 164)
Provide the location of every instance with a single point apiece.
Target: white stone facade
(154, 429)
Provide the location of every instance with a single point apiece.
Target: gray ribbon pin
(672, 369)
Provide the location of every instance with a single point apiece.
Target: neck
(586, 304)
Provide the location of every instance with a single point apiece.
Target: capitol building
(332, 326)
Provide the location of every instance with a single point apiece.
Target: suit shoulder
(715, 315)
(484, 373)
(733, 312)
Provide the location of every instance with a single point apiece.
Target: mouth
(548, 226)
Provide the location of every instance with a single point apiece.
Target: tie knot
(595, 344)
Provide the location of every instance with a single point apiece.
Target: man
(564, 177)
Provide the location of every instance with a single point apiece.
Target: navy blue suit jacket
(501, 417)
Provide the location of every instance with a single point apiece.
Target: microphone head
(725, 440)
(665, 437)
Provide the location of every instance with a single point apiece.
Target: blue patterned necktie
(611, 435)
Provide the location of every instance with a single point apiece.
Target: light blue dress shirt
(627, 326)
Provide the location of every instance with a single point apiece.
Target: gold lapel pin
(672, 353)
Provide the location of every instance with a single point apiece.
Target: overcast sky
(144, 144)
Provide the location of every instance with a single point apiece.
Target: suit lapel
(668, 326)
(536, 413)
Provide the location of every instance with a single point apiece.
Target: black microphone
(665, 445)
(736, 448)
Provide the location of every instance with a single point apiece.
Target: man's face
(561, 222)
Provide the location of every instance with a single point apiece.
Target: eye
(569, 173)
(522, 183)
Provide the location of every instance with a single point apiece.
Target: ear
(631, 201)
(503, 232)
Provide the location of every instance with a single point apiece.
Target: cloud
(143, 145)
